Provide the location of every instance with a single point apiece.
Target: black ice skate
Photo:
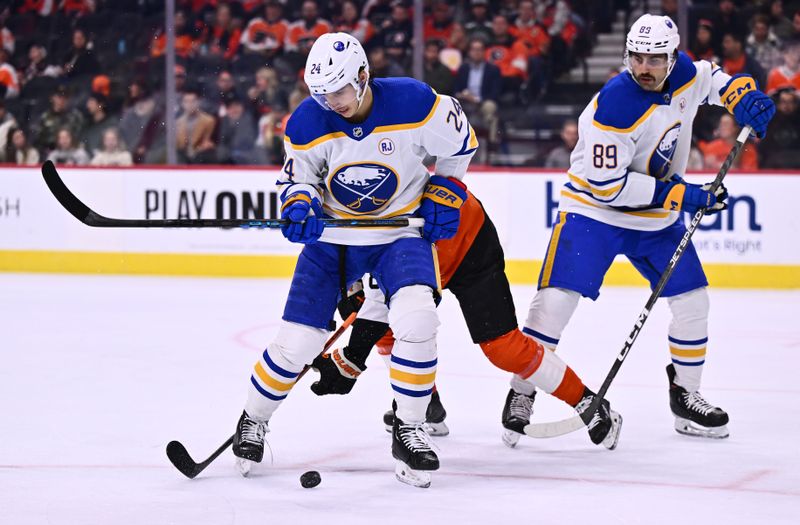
(516, 414)
(248, 443)
(411, 447)
(694, 416)
(605, 425)
(434, 417)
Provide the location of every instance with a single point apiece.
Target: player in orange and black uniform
(471, 265)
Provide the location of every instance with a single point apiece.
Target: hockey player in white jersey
(354, 149)
(625, 196)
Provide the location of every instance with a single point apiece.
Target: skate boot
(248, 443)
(605, 425)
(516, 414)
(411, 447)
(434, 417)
(694, 416)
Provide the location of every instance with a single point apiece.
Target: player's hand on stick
(441, 207)
(303, 213)
(337, 373)
(678, 195)
(749, 106)
(352, 303)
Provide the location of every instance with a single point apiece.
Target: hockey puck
(310, 479)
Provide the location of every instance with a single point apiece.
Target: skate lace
(584, 405)
(416, 438)
(253, 431)
(521, 406)
(696, 403)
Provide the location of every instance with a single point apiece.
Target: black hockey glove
(337, 373)
(353, 301)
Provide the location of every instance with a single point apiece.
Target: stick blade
(555, 428)
(179, 456)
(60, 191)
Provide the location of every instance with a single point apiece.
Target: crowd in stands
(82, 81)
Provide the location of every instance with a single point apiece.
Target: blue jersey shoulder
(683, 73)
(405, 100)
(621, 103)
(307, 123)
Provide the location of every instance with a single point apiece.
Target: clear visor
(339, 99)
(655, 61)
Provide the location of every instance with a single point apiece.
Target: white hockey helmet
(653, 34)
(335, 60)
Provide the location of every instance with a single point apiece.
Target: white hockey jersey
(629, 137)
(374, 169)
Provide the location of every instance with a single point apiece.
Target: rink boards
(754, 244)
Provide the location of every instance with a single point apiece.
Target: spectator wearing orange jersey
(735, 60)
(305, 31)
(185, 44)
(509, 55)
(350, 21)
(788, 74)
(9, 82)
(440, 24)
(222, 39)
(530, 31)
(266, 36)
(716, 151)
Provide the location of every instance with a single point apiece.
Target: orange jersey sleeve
(452, 251)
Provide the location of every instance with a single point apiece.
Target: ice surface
(99, 373)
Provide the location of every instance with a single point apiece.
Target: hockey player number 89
(604, 156)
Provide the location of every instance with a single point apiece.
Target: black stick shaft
(91, 218)
(673, 262)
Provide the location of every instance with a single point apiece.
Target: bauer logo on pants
(364, 187)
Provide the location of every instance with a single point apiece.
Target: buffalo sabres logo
(363, 187)
(661, 158)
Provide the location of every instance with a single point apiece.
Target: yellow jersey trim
(628, 129)
(646, 214)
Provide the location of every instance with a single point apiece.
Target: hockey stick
(179, 456)
(86, 215)
(558, 428)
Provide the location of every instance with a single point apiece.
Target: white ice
(99, 373)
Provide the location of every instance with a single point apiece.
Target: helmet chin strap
(361, 91)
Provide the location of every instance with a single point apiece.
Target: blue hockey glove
(749, 106)
(678, 195)
(303, 212)
(441, 207)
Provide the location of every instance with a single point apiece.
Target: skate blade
(611, 440)
(244, 466)
(436, 429)
(415, 478)
(690, 428)
(511, 438)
